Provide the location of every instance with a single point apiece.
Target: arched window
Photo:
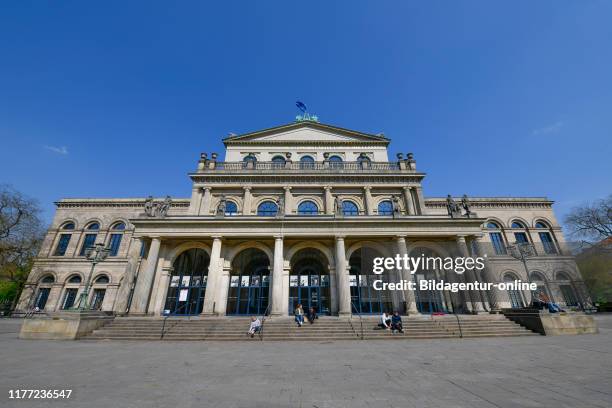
(497, 239)
(540, 280)
(335, 162)
(306, 162)
(47, 279)
(249, 159)
(74, 279)
(515, 296)
(90, 238)
(102, 279)
(42, 294)
(546, 238)
(567, 289)
(64, 239)
(308, 208)
(231, 208)
(520, 237)
(267, 209)
(349, 208)
(278, 162)
(385, 208)
(114, 241)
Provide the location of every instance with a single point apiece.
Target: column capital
(206, 188)
(216, 237)
(327, 188)
(406, 188)
(461, 238)
(367, 188)
(278, 237)
(247, 188)
(400, 238)
(287, 188)
(340, 237)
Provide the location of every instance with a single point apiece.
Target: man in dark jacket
(396, 323)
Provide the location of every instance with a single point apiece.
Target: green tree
(21, 233)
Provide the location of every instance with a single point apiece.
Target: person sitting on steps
(299, 315)
(312, 315)
(255, 327)
(396, 323)
(385, 321)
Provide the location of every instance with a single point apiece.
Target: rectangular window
(547, 242)
(69, 298)
(498, 243)
(89, 241)
(521, 237)
(62, 245)
(115, 241)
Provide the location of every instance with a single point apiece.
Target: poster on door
(183, 295)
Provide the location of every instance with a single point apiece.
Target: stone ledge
(64, 325)
(554, 324)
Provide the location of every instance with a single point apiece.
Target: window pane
(114, 243)
(89, 241)
(349, 208)
(62, 245)
(308, 208)
(267, 209)
(385, 208)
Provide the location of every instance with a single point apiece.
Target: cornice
(338, 178)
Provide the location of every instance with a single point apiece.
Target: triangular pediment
(304, 133)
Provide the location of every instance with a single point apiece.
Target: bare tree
(21, 233)
(591, 222)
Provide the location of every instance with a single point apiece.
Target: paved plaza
(566, 371)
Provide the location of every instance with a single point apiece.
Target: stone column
(109, 297)
(222, 289)
(333, 290)
(277, 277)
(131, 270)
(409, 202)
(159, 300)
(27, 297)
(473, 296)
(420, 204)
(367, 193)
(206, 201)
(485, 275)
(194, 203)
(344, 289)
(246, 206)
(288, 201)
(329, 201)
(214, 276)
(145, 279)
(406, 275)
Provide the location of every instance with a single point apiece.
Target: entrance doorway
(249, 287)
(187, 285)
(364, 297)
(309, 283)
(428, 301)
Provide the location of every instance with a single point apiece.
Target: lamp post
(523, 251)
(94, 254)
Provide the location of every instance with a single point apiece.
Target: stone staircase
(324, 329)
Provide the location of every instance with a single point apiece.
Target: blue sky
(117, 99)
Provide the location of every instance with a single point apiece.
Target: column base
(344, 315)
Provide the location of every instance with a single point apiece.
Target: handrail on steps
(263, 320)
(166, 316)
(360, 319)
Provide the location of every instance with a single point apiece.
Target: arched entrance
(249, 287)
(429, 300)
(364, 297)
(309, 281)
(187, 285)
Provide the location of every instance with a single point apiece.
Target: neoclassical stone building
(294, 214)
